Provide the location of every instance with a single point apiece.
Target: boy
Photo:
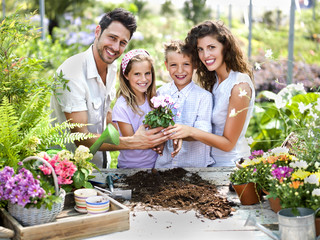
(195, 107)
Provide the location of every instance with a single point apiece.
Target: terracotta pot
(248, 193)
(317, 221)
(274, 203)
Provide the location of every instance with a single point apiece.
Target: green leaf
(87, 185)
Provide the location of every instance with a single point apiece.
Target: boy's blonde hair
(177, 46)
(125, 89)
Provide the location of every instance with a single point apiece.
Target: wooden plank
(72, 225)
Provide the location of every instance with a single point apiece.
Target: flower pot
(97, 204)
(80, 197)
(248, 193)
(274, 203)
(317, 222)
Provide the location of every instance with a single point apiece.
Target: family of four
(213, 116)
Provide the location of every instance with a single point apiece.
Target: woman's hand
(178, 131)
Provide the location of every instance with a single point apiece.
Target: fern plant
(25, 124)
(25, 135)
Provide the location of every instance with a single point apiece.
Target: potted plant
(81, 159)
(298, 184)
(244, 182)
(29, 195)
(163, 114)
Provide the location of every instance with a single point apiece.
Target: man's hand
(148, 138)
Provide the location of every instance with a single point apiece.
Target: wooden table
(166, 225)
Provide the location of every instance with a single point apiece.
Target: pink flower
(45, 170)
(64, 169)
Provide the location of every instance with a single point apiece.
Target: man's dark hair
(121, 15)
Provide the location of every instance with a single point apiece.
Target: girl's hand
(177, 144)
(178, 131)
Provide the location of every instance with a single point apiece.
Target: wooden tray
(71, 224)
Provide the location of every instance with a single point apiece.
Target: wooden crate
(71, 224)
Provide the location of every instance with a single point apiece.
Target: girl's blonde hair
(232, 53)
(125, 89)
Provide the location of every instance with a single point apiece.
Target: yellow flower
(256, 160)
(246, 163)
(300, 174)
(318, 175)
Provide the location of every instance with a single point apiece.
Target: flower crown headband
(129, 55)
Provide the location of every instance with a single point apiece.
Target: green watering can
(110, 135)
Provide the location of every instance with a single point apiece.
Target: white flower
(280, 150)
(312, 179)
(250, 140)
(313, 115)
(82, 153)
(317, 107)
(242, 93)
(299, 164)
(268, 53)
(65, 154)
(280, 102)
(233, 113)
(43, 155)
(316, 165)
(257, 66)
(310, 134)
(303, 108)
(299, 87)
(266, 154)
(316, 192)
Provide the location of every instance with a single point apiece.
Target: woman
(223, 70)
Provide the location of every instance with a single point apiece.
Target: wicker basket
(34, 216)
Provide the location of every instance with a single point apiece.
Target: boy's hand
(159, 149)
(177, 144)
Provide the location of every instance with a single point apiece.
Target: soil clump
(178, 189)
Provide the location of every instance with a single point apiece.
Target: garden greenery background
(70, 28)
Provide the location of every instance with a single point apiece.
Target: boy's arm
(204, 115)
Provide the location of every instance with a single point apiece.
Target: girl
(221, 69)
(137, 87)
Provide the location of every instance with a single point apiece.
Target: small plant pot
(274, 203)
(97, 204)
(248, 193)
(317, 222)
(80, 197)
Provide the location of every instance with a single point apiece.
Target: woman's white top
(221, 96)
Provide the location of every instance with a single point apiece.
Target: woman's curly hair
(232, 53)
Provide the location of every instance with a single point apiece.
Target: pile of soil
(178, 189)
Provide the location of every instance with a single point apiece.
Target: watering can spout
(251, 221)
(110, 135)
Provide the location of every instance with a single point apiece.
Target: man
(92, 76)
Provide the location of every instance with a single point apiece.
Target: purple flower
(256, 153)
(19, 188)
(282, 172)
